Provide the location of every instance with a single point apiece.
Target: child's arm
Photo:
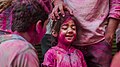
(82, 59)
(49, 59)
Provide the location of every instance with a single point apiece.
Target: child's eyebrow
(73, 25)
(64, 24)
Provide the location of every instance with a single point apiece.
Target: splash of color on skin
(67, 33)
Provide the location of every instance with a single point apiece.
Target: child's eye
(64, 27)
(74, 27)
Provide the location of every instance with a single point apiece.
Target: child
(64, 54)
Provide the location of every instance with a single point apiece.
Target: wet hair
(26, 14)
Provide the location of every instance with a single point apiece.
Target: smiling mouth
(69, 37)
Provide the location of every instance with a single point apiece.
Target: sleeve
(114, 9)
(49, 60)
(82, 59)
(26, 58)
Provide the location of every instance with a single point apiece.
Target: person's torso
(92, 16)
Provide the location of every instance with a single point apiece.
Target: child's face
(67, 32)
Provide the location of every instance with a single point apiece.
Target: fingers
(52, 16)
(58, 10)
(54, 13)
(70, 10)
(109, 38)
(61, 9)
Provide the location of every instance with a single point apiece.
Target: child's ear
(55, 34)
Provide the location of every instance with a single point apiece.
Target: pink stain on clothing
(15, 51)
(58, 57)
(92, 16)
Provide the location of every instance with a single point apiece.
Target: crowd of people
(71, 33)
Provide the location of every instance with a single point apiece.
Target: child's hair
(26, 14)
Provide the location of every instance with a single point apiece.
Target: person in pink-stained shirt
(28, 27)
(64, 54)
(99, 20)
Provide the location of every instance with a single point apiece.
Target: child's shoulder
(52, 49)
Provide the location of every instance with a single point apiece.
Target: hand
(109, 38)
(112, 26)
(59, 7)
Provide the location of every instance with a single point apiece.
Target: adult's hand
(59, 8)
(112, 26)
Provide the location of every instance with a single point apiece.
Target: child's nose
(70, 30)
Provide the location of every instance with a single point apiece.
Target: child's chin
(69, 41)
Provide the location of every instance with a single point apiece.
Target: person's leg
(97, 55)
